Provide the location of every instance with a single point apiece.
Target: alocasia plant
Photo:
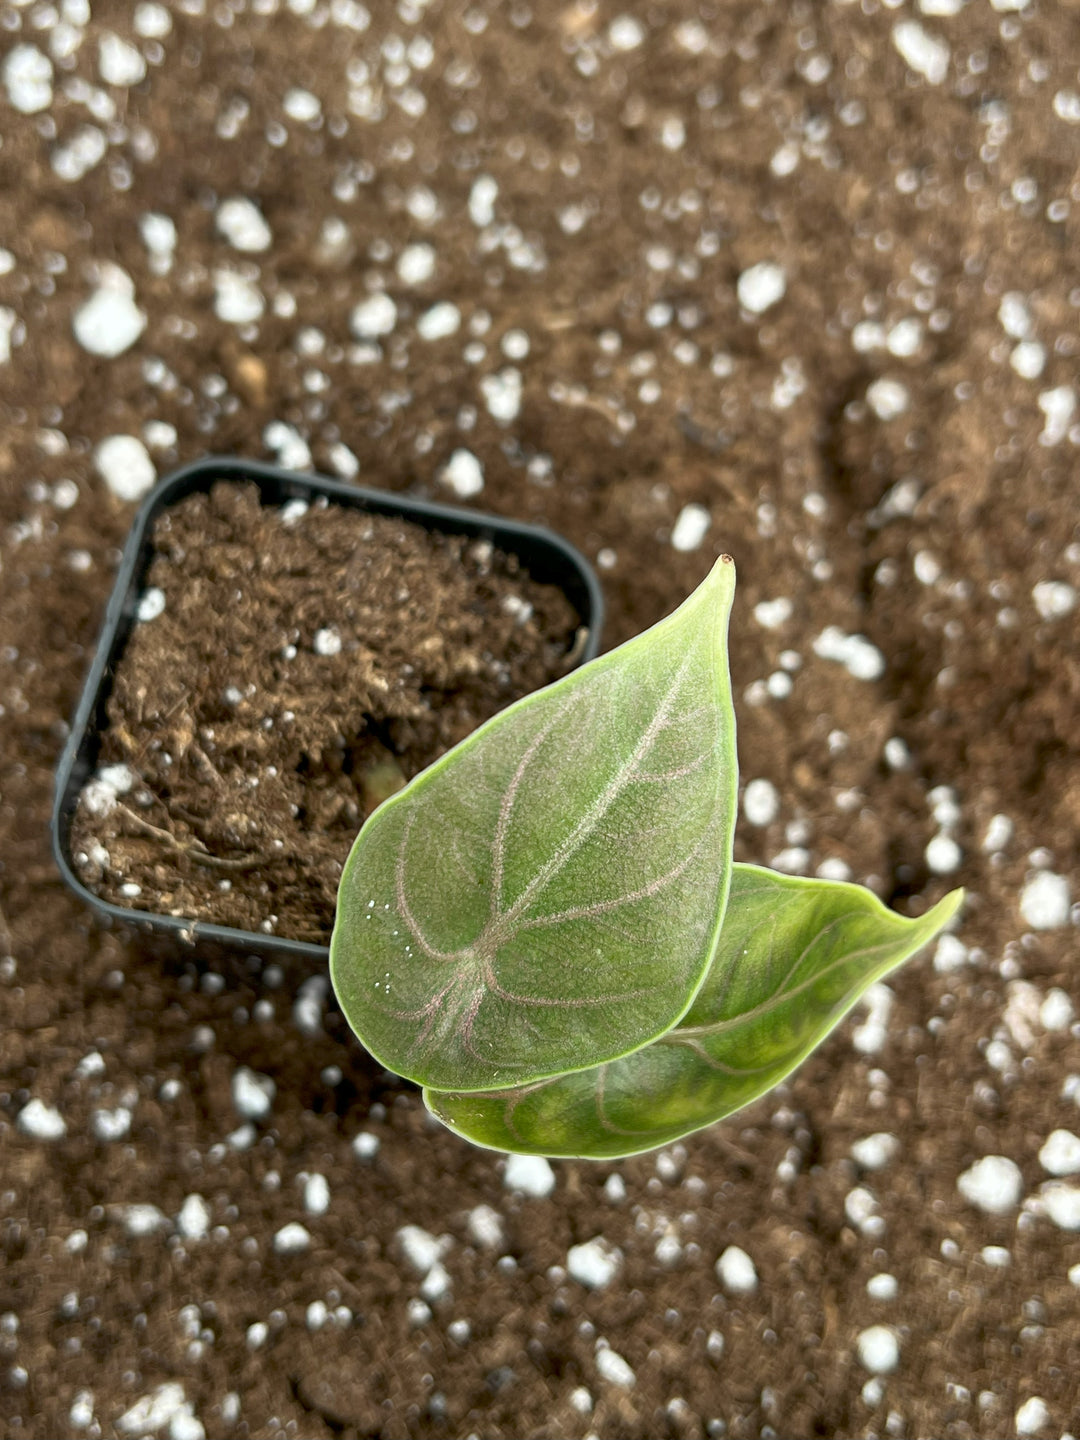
(546, 929)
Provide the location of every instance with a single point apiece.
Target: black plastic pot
(548, 558)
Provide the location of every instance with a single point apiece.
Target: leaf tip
(720, 581)
(948, 906)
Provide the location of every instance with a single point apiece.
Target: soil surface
(297, 667)
(366, 239)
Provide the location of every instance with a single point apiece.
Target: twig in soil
(196, 750)
(5, 933)
(194, 851)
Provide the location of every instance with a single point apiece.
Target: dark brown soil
(301, 671)
(633, 187)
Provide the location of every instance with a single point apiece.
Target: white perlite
(1045, 901)
(761, 802)
(85, 149)
(463, 473)
(237, 300)
(109, 322)
(862, 1210)
(950, 955)
(252, 1094)
(1034, 1414)
(615, 1189)
(925, 53)
(141, 1220)
(327, 641)
(416, 263)
(485, 1227)
(1014, 315)
(1060, 1154)
(625, 33)
(482, 197)
(869, 1037)
(41, 1121)
(531, 1174)
(243, 225)
(118, 62)
(999, 832)
(152, 21)
(502, 394)
(1057, 406)
(771, 614)
(761, 286)
(904, 339)
(1053, 598)
(1056, 1011)
(109, 1125)
(193, 1221)
(993, 1184)
(943, 855)
(1021, 1013)
(185, 1425)
(124, 463)
(882, 1287)
(28, 79)
(292, 1239)
(735, 1271)
(792, 860)
(441, 321)
(365, 1146)
(154, 1411)
(690, 527)
(420, 1248)
(301, 106)
(289, 445)
(859, 657)
(887, 398)
(879, 1349)
(614, 1369)
(159, 235)
(1028, 359)
(316, 1194)
(594, 1264)
(81, 1414)
(9, 333)
(436, 1284)
(374, 317)
(875, 1151)
(1061, 1202)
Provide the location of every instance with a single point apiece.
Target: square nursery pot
(547, 559)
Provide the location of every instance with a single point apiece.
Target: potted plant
(540, 921)
(280, 653)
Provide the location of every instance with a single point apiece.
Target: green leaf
(548, 896)
(794, 956)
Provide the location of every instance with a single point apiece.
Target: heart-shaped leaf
(794, 957)
(547, 897)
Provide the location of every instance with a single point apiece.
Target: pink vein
(507, 922)
(403, 903)
(560, 1004)
(498, 848)
(601, 907)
